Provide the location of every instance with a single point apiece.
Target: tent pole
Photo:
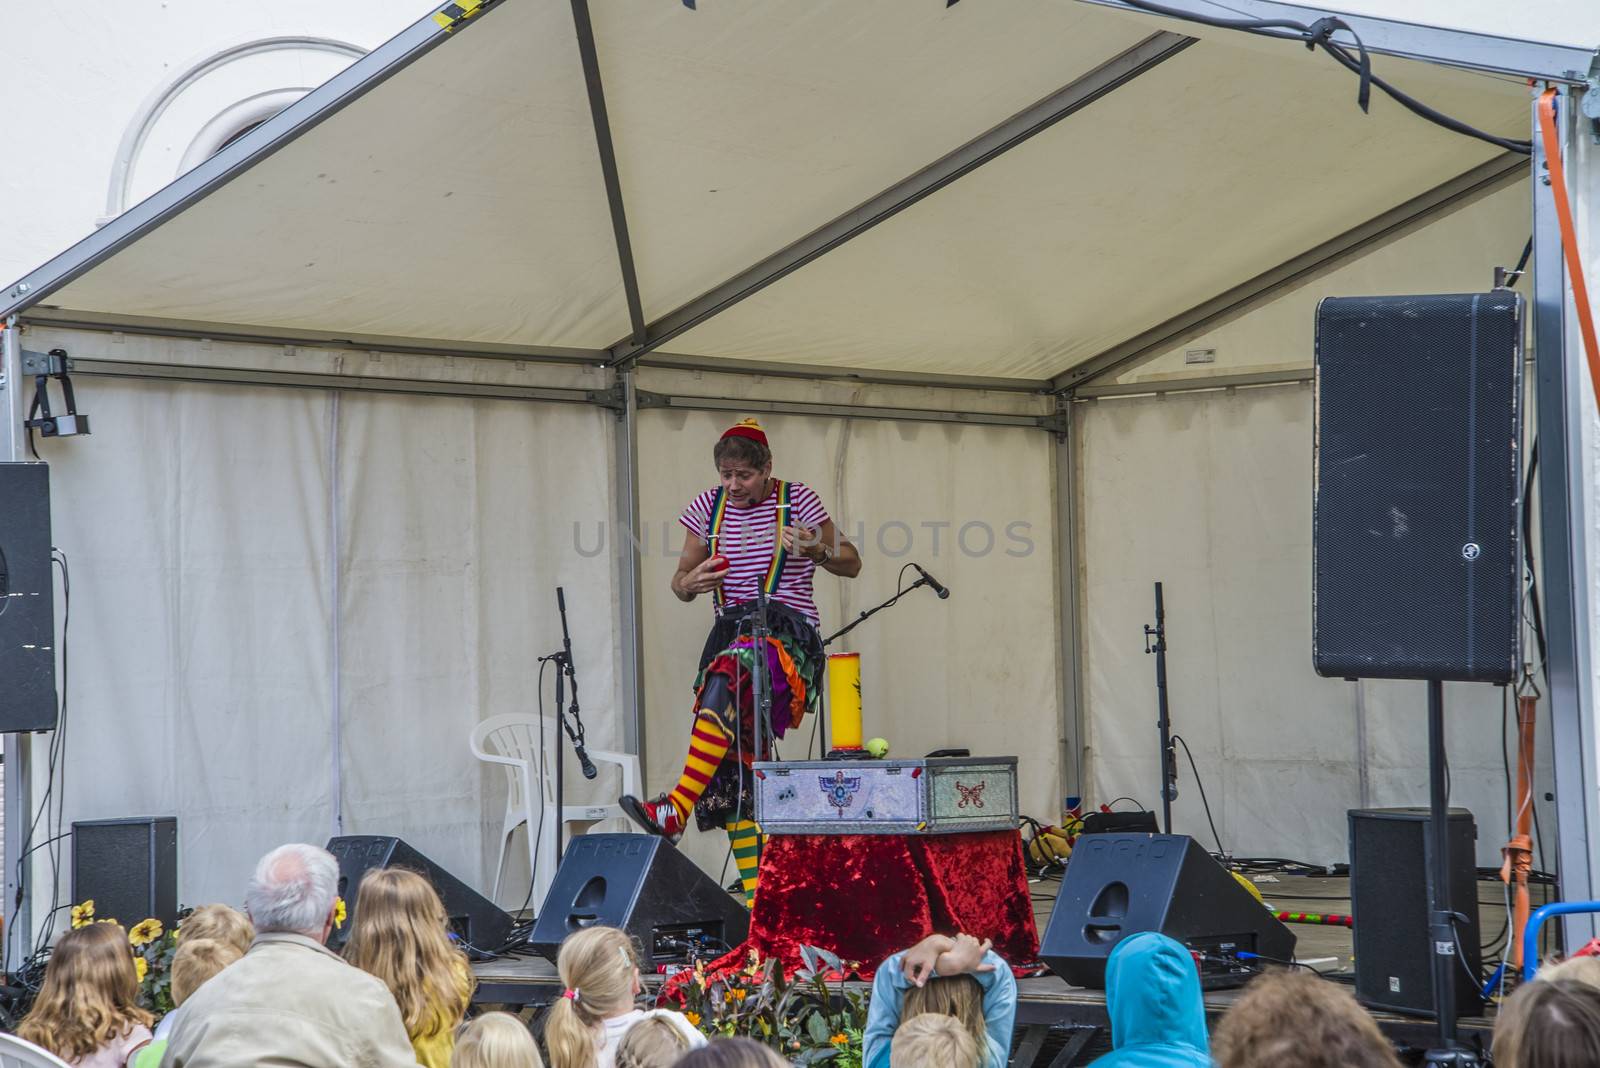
(1393, 225)
(629, 593)
(18, 747)
(590, 59)
(1078, 94)
(1562, 414)
(1069, 651)
(1465, 49)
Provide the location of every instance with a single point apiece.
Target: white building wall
(78, 78)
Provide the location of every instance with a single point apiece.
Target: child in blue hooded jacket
(1158, 1018)
(940, 961)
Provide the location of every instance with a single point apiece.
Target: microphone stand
(565, 672)
(869, 613)
(1169, 760)
(761, 681)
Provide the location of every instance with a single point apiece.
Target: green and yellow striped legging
(747, 839)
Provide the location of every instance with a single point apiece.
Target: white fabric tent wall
(199, 521)
(977, 670)
(1210, 491)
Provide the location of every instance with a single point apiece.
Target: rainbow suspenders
(719, 507)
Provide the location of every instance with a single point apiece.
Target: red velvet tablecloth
(866, 896)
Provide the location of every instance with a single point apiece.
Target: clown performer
(751, 532)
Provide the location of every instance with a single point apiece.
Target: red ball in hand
(719, 563)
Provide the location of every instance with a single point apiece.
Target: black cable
(1268, 864)
(1141, 805)
(1246, 958)
(1319, 34)
(48, 804)
(1522, 264)
(537, 836)
(60, 557)
(899, 592)
(1505, 757)
(1178, 738)
(1535, 612)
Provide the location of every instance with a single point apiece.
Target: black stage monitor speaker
(642, 884)
(1415, 527)
(1118, 885)
(1389, 865)
(475, 919)
(128, 867)
(27, 601)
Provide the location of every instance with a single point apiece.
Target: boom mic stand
(565, 672)
(869, 613)
(1169, 760)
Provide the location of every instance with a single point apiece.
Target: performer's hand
(917, 963)
(807, 541)
(706, 577)
(965, 955)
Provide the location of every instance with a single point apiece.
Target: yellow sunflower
(140, 967)
(83, 915)
(693, 1018)
(338, 912)
(145, 931)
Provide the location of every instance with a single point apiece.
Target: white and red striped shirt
(747, 541)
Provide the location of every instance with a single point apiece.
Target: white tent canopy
(910, 235)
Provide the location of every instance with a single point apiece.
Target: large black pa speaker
(474, 918)
(27, 601)
(642, 884)
(128, 867)
(1118, 885)
(1416, 538)
(1390, 862)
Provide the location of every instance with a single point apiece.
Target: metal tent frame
(1561, 399)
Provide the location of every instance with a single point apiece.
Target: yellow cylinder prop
(844, 700)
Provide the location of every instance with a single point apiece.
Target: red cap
(746, 428)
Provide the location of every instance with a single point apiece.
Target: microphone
(933, 582)
(589, 770)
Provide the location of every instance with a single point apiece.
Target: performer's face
(745, 484)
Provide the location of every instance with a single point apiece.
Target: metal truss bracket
(1589, 103)
(54, 362)
(645, 399)
(614, 398)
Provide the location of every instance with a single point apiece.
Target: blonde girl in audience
(934, 1040)
(219, 923)
(400, 936)
(600, 971)
(496, 1040)
(653, 1042)
(87, 1011)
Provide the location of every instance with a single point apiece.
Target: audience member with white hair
(290, 1000)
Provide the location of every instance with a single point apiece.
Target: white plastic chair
(513, 741)
(16, 1053)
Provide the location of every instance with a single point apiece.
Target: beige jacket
(290, 1003)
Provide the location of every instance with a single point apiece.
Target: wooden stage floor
(1059, 1025)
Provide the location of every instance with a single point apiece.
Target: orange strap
(1569, 236)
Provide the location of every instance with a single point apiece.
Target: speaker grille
(128, 867)
(1415, 533)
(1389, 864)
(27, 600)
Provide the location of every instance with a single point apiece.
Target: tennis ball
(878, 747)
